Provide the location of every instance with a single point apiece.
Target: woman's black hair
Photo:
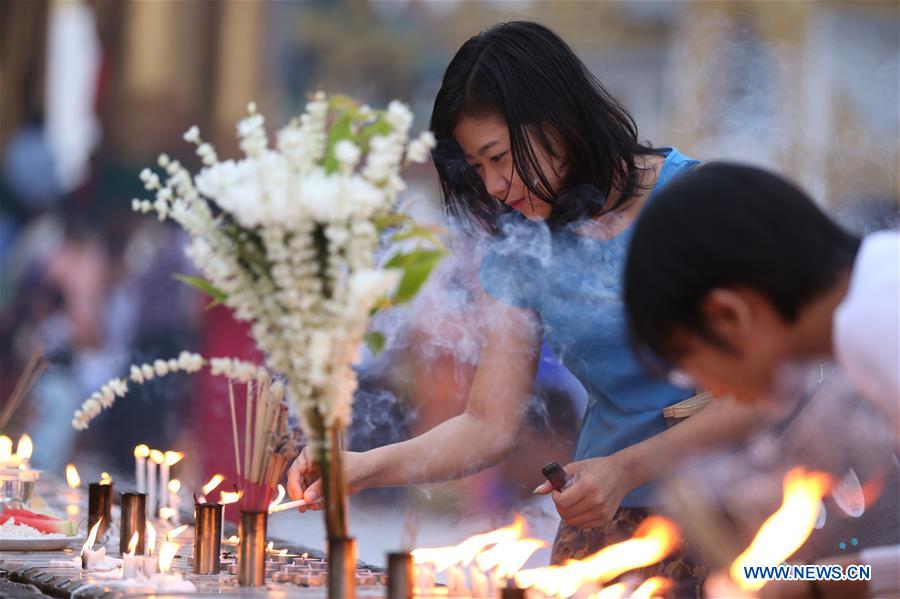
(726, 225)
(528, 75)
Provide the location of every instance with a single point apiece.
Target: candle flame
(167, 512)
(304, 556)
(465, 552)
(174, 485)
(157, 456)
(72, 510)
(270, 546)
(233, 540)
(173, 457)
(167, 552)
(277, 499)
(785, 531)
(652, 587)
(228, 497)
(141, 451)
(151, 539)
(25, 447)
(72, 477)
(173, 534)
(5, 449)
(508, 558)
(92, 537)
(214, 482)
(105, 478)
(613, 591)
(132, 544)
(654, 539)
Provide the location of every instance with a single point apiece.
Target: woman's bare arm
(475, 439)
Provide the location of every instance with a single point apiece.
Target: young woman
(533, 149)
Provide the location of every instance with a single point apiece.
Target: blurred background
(93, 91)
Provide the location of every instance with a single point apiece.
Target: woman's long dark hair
(527, 74)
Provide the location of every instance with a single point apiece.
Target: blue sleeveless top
(574, 284)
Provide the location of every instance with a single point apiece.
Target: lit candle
(226, 498)
(7, 459)
(166, 580)
(480, 584)
(425, 576)
(131, 563)
(174, 503)
(140, 467)
(214, 482)
(150, 545)
(74, 481)
(170, 458)
(456, 582)
(24, 449)
(156, 458)
(89, 558)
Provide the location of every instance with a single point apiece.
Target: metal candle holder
(401, 576)
(100, 506)
(252, 550)
(134, 520)
(207, 537)
(341, 567)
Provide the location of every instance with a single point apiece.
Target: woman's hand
(304, 480)
(596, 489)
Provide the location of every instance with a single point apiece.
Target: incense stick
(247, 439)
(237, 451)
(30, 374)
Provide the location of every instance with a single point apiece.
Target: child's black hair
(727, 225)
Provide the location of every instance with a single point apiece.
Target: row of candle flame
(504, 551)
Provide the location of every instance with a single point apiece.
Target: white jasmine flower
(137, 375)
(147, 370)
(347, 153)
(192, 135)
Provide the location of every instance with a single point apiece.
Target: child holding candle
(763, 281)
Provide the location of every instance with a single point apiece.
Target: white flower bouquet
(287, 237)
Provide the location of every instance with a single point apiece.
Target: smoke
(722, 500)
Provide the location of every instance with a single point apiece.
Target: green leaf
(421, 232)
(375, 341)
(394, 219)
(342, 128)
(205, 286)
(416, 267)
(378, 127)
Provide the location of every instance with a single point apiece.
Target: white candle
(174, 500)
(480, 585)
(91, 560)
(163, 484)
(170, 458)
(140, 467)
(156, 458)
(149, 565)
(426, 577)
(456, 582)
(131, 565)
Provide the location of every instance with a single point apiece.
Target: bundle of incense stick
(268, 448)
(30, 374)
